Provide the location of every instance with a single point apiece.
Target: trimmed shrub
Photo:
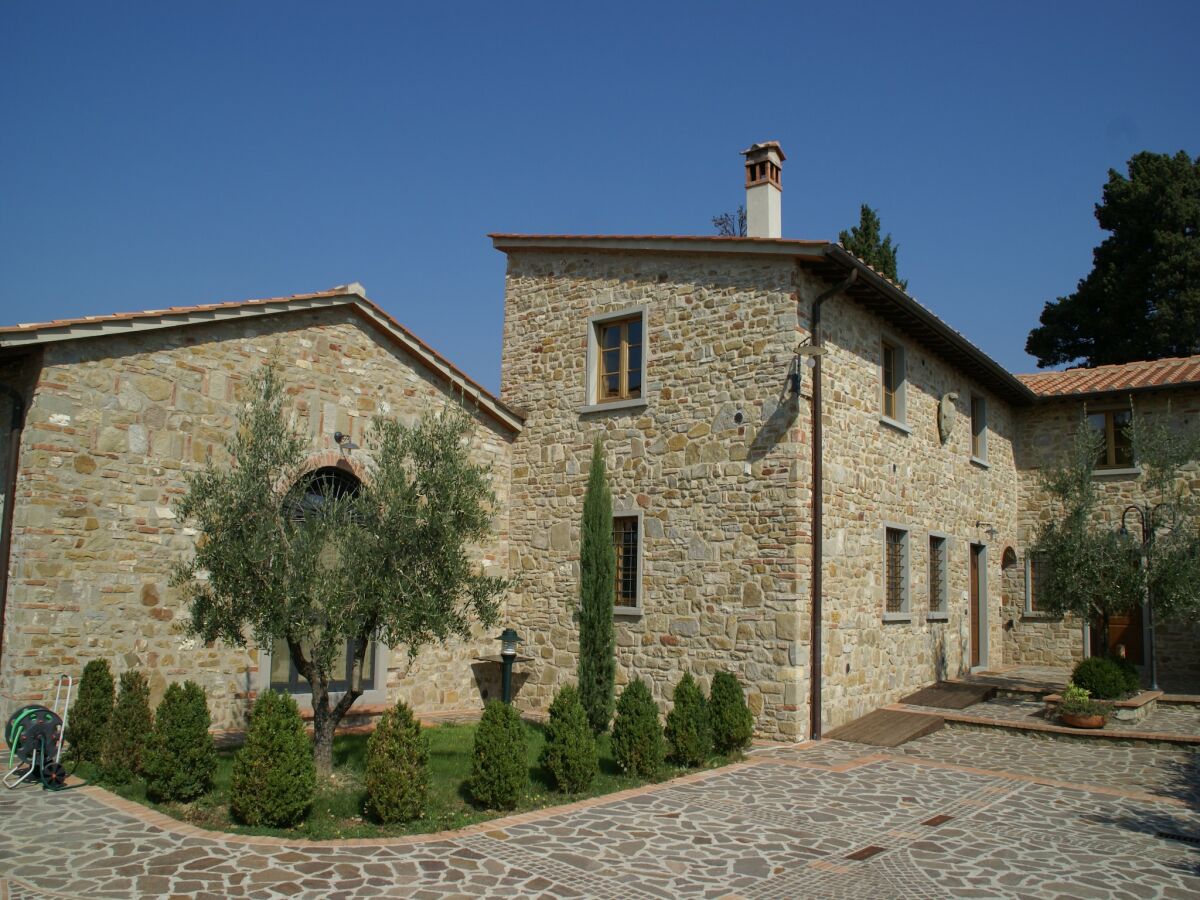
(1133, 680)
(499, 771)
(730, 718)
(1104, 678)
(688, 735)
(88, 720)
(181, 758)
(273, 774)
(397, 779)
(124, 752)
(570, 752)
(637, 736)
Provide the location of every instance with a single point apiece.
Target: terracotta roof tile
(353, 295)
(1155, 373)
(156, 313)
(683, 238)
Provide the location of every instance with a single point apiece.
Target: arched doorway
(310, 493)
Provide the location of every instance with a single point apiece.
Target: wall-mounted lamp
(343, 441)
(988, 528)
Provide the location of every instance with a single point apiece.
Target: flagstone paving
(957, 814)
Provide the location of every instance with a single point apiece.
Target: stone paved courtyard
(957, 814)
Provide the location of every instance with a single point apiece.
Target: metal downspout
(818, 512)
(14, 452)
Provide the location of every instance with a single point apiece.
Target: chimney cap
(765, 147)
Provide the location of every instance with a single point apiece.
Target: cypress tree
(87, 725)
(597, 579)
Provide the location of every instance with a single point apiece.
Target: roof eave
(652, 243)
(1003, 380)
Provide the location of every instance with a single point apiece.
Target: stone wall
(1046, 435)
(723, 503)
(114, 426)
(878, 475)
(727, 508)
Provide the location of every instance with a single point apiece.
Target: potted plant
(1079, 710)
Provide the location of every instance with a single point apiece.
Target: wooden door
(1126, 630)
(976, 554)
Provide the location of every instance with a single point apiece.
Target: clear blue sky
(170, 153)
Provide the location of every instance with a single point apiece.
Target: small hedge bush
(1105, 679)
(180, 758)
(731, 720)
(124, 752)
(499, 771)
(637, 735)
(87, 723)
(688, 734)
(273, 774)
(397, 778)
(570, 752)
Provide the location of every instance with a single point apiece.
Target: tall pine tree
(864, 241)
(1142, 298)
(597, 579)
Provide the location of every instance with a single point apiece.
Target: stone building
(817, 483)
(119, 408)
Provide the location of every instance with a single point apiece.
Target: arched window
(1008, 559)
(305, 499)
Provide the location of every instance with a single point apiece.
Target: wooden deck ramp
(887, 728)
(951, 695)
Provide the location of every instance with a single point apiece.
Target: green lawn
(337, 808)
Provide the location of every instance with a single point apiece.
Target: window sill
(613, 406)
(1030, 615)
(938, 617)
(627, 612)
(981, 463)
(1132, 472)
(892, 423)
(897, 617)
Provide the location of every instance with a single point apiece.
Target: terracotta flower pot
(1079, 721)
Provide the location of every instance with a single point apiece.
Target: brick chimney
(764, 190)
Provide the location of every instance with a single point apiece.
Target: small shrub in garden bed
(637, 735)
(273, 774)
(123, 755)
(397, 768)
(87, 723)
(688, 732)
(180, 757)
(500, 770)
(570, 752)
(1104, 678)
(731, 720)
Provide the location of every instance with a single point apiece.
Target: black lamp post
(508, 653)
(1148, 516)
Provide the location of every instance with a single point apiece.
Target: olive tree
(328, 573)
(1094, 567)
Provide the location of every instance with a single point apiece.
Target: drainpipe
(14, 451)
(818, 511)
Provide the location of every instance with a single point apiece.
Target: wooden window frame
(979, 428)
(633, 516)
(1110, 434)
(902, 577)
(623, 368)
(893, 391)
(594, 399)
